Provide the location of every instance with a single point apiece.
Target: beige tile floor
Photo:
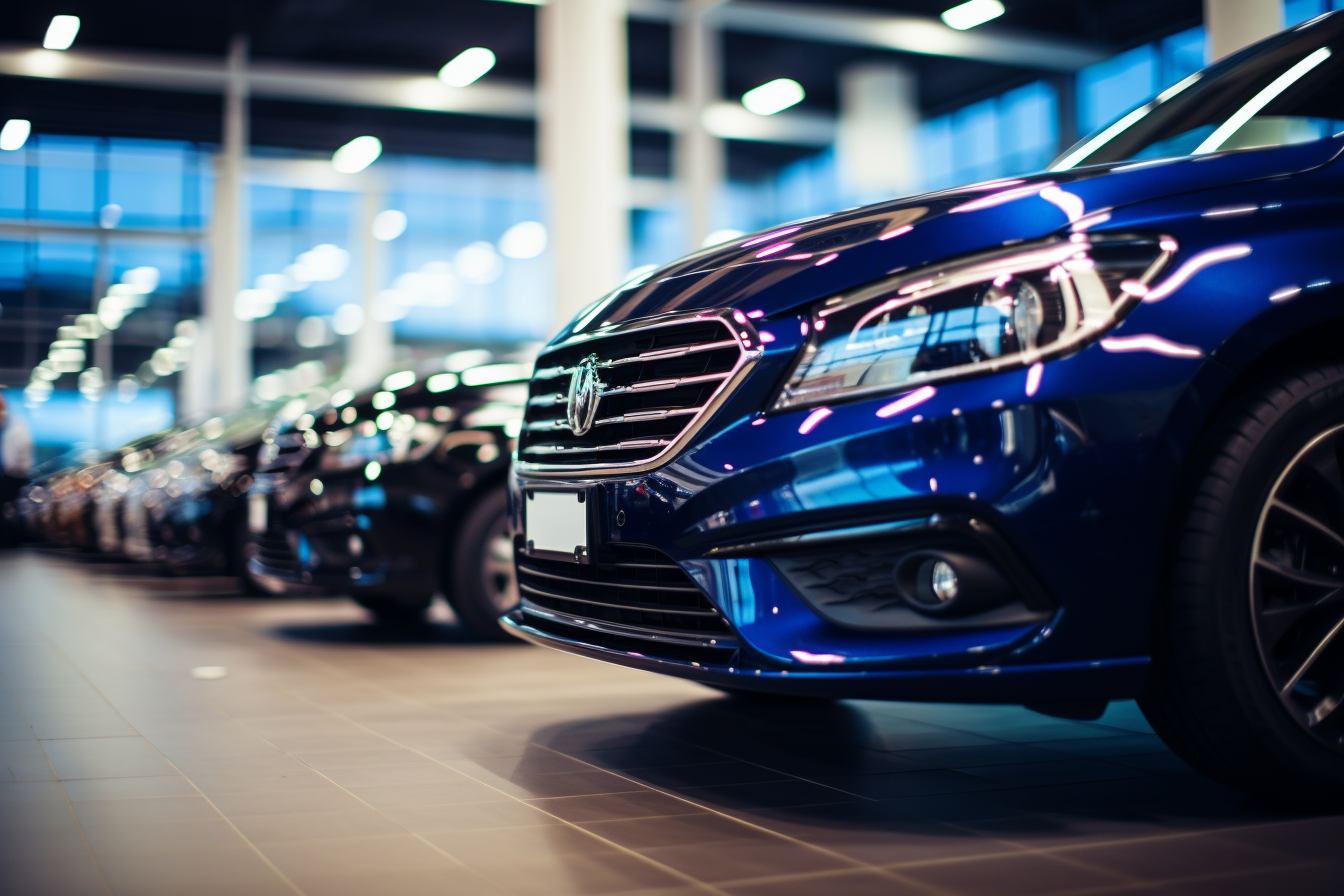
(340, 757)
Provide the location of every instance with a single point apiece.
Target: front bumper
(1065, 472)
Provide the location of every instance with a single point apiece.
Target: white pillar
(1232, 24)
(228, 341)
(875, 143)
(699, 154)
(584, 142)
(371, 350)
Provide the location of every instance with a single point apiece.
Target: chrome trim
(632, 417)
(661, 354)
(676, 589)
(665, 636)
(629, 445)
(661, 385)
(750, 348)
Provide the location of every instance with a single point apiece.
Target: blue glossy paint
(1099, 447)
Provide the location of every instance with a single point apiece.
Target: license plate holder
(556, 524)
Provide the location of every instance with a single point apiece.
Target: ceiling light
(467, 67)
(357, 155)
(61, 32)
(526, 239)
(972, 13)
(389, 224)
(15, 133)
(773, 96)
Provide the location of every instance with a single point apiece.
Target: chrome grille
(657, 381)
(631, 597)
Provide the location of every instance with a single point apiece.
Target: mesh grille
(630, 598)
(655, 381)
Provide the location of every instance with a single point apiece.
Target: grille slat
(623, 599)
(657, 381)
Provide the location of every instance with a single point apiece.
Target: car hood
(778, 269)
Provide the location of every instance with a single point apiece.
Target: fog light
(950, 582)
(943, 581)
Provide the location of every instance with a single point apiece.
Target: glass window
(1288, 89)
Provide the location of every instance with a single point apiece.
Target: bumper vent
(654, 383)
(630, 598)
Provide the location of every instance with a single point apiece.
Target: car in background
(1055, 440)
(179, 504)
(395, 494)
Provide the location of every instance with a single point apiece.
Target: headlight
(982, 314)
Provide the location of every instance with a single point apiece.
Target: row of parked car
(389, 495)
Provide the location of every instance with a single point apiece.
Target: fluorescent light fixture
(971, 13)
(773, 96)
(61, 32)
(389, 224)
(467, 67)
(357, 155)
(1260, 100)
(15, 133)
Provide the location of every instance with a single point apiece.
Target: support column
(1230, 25)
(226, 345)
(875, 144)
(699, 154)
(584, 143)
(371, 350)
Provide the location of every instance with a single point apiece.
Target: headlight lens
(1008, 308)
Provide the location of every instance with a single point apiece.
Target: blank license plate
(556, 524)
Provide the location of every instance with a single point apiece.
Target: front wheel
(1248, 660)
(482, 584)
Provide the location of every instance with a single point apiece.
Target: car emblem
(585, 391)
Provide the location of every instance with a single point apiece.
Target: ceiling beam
(902, 33)
(375, 88)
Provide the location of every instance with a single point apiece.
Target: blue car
(1053, 441)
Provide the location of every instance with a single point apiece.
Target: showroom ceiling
(420, 35)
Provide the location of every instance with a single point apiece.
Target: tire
(481, 584)
(1248, 674)
(395, 611)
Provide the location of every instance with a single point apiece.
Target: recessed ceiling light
(972, 13)
(15, 133)
(357, 155)
(773, 96)
(61, 32)
(467, 67)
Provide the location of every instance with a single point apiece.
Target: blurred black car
(394, 494)
(181, 506)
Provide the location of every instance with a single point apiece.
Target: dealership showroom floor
(330, 755)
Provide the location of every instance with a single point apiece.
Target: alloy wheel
(1297, 587)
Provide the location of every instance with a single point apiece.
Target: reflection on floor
(340, 757)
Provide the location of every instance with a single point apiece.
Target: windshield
(1287, 89)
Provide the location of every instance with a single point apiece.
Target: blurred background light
(389, 224)
(716, 237)
(357, 155)
(348, 319)
(526, 239)
(61, 32)
(478, 263)
(15, 133)
(972, 13)
(773, 96)
(467, 67)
